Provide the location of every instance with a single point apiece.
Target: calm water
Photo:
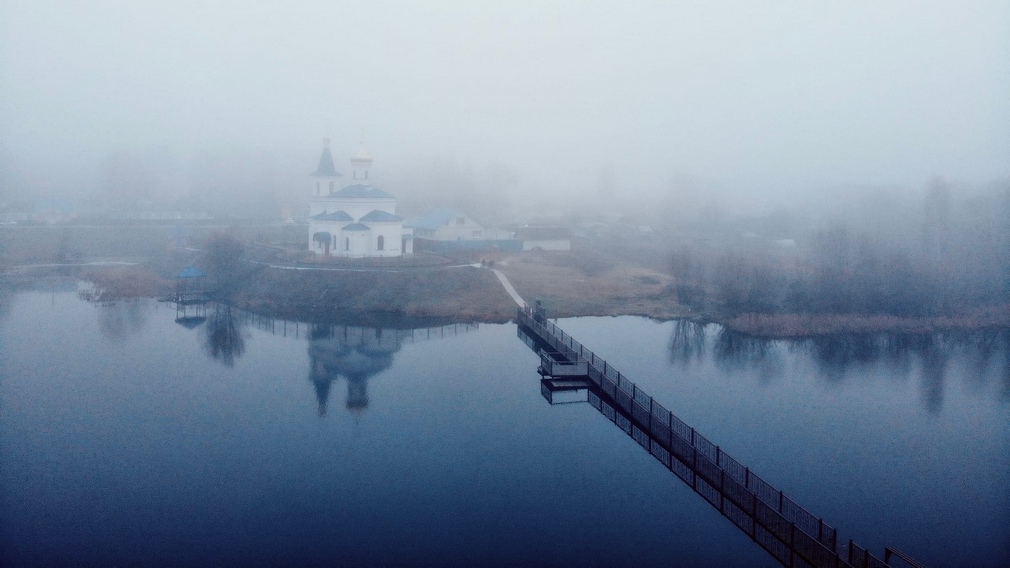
(129, 439)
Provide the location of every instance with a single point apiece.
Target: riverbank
(568, 285)
(460, 293)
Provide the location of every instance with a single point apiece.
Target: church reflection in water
(357, 354)
(335, 351)
(354, 353)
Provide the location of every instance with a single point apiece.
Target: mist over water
(779, 167)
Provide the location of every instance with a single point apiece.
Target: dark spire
(326, 167)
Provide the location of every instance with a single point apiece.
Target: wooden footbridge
(790, 533)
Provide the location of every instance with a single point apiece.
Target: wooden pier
(790, 533)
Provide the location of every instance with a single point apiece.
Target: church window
(476, 234)
(461, 220)
(347, 243)
(380, 243)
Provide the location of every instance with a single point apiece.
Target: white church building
(353, 218)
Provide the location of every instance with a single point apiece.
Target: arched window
(347, 243)
(381, 243)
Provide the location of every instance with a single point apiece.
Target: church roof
(380, 216)
(362, 191)
(357, 227)
(435, 219)
(326, 168)
(335, 216)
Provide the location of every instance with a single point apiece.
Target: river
(128, 438)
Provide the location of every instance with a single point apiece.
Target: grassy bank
(446, 294)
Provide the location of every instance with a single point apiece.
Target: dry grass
(121, 283)
(581, 283)
(454, 294)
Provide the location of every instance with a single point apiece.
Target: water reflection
(355, 353)
(688, 342)
(983, 355)
(737, 351)
(223, 338)
(121, 319)
(358, 354)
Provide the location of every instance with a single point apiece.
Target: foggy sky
(777, 97)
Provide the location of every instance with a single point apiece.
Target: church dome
(361, 155)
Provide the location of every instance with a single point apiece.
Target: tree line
(935, 256)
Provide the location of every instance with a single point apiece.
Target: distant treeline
(930, 257)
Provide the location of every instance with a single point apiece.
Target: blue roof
(362, 191)
(380, 216)
(435, 219)
(357, 227)
(335, 216)
(326, 168)
(191, 272)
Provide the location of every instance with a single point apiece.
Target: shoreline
(473, 294)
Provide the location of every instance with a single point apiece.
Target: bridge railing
(792, 534)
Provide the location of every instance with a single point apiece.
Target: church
(353, 218)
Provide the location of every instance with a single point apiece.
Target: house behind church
(447, 225)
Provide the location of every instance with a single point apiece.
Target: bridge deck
(790, 533)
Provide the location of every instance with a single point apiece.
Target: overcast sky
(756, 96)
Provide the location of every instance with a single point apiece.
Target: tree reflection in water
(982, 355)
(977, 351)
(735, 351)
(117, 320)
(688, 342)
(223, 337)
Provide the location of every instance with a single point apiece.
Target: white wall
(559, 244)
(455, 231)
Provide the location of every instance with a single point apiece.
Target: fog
(760, 103)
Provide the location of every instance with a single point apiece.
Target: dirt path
(509, 288)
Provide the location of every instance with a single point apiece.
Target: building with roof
(448, 225)
(545, 238)
(352, 217)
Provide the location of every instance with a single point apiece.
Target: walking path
(509, 288)
(408, 268)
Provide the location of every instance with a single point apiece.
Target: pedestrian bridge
(790, 533)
